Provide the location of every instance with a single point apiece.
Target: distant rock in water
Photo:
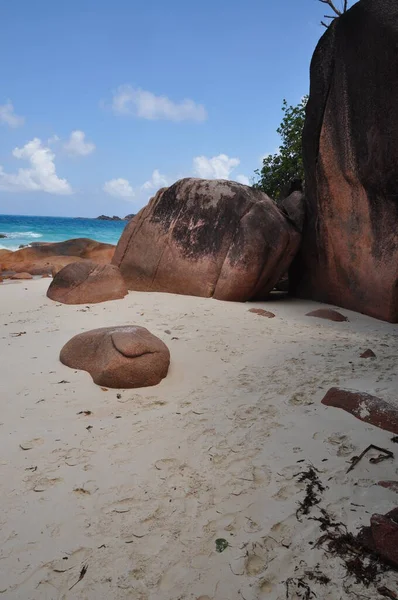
(114, 218)
(2, 236)
(349, 252)
(106, 218)
(209, 238)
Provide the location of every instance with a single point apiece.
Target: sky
(102, 102)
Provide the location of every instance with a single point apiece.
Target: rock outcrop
(42, 258)
(87, 282)
(349, 254)
(364, 407)
(118, 357)
(210, 238)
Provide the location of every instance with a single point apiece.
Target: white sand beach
(134, 495)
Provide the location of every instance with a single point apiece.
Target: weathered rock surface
(21, 276)
(118, 357)
(382, 536)
(293, 207)
(349, 254)
(87, 282)
(365, 407)
(389, 485)
(207, 238)
(4, 253)
(368, 354)
(262, 313)
(327, 313)
(42, 258)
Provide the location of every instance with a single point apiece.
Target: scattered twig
(18, 334)
(63, 381)
(387, 454)
(85, 412)
(304, 589)
(82, 574)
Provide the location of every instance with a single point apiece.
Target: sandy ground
(140, 490)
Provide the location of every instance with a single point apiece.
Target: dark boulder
(87, 282)
(382, 536)
(349, 253)
(210, 238)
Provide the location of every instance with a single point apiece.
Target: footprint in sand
(30, 444)
(42, 484)
(345, 448)
(259, 556)
(290, 484)
(59, 575)
(339, 441)
(265, 587)
(121, 506)
(72, 457)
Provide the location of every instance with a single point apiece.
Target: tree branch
(337, 11)
(333, 7)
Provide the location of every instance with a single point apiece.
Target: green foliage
(280, 169)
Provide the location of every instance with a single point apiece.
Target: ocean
(25, 230)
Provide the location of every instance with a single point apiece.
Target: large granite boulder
(210, 238)
(118, 357)
(41, 258)
(87, 282)
(349, 254)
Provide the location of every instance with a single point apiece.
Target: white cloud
(8, 116)
(217, 167)
(243, 179)
(120, 188)
(128, 100)
(77, 145)
(155, 182)
(41, 175)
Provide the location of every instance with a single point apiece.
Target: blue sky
(104, 101)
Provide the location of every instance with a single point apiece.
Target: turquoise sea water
(25, 230)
